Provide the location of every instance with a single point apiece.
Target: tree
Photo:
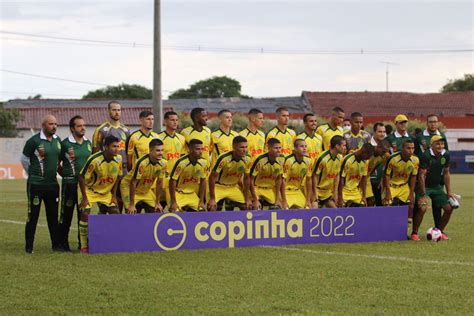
(215, 87)
(456, 85)
(122, 91)
(8, 120)
(35, 97)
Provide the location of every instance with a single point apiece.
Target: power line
(53, 78)
(62, 79)
(251, 50)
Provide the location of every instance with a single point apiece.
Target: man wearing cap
(423, 143)
(433, 173)
(400, 135)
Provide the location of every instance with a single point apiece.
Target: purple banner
(173, 231)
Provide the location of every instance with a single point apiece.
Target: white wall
(454, 134)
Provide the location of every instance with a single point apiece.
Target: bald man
(40, 160)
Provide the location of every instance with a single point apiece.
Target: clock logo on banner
(170, 232)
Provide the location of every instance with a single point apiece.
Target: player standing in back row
(313, 141)
(199, 131)
(356, 137)
(285, 135)
(332, 128)
(254, 135)
(112, 127)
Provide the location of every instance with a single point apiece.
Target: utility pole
(157, 102)
(387, 63)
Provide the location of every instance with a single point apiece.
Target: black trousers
(49, 194)
(377, 193)
(68, 203)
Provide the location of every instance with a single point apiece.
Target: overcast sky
(288, 27)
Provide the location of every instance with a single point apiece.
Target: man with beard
(40, 160)
(115, 128)
(75, 150)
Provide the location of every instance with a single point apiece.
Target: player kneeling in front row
(137, 186)
(325, 174)
(230, 169)
(297, 172)
(98, 183)
(188, 180)
(353, 177)
(400, 179)
(434, 170)
(266, 173)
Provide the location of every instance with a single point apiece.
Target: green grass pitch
(375, 278)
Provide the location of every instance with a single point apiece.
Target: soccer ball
(433, 234)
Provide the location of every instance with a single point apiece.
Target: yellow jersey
(255, 141)
(204, 136)
(99, 174)
(173, 148)
(376, 161)
(188, 174)
(264, 172)
(327, 169)
(400, 170)
(138, 144)
(314, 143)
(294, 172)
(230, 170)
(146, 173)
(285, 137)
(353, 171)
(327, 132)
(108, 129)
(222, 142)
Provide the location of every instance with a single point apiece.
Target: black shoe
(29, 250)
(66, 247)
(57, 248)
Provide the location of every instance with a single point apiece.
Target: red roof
(389, 104)
(32, 117)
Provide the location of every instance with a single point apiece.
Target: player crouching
(325, 174)
(353, 177)
(98, 183)
(266, 173)
(148, 171)
(188, 180)
(228, 172)
(297, 172)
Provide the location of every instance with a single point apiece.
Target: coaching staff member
(40, 160)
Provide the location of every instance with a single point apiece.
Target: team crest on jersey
(198, 173)
(409, 169)
(106, 128)
(36, 201)
(241, 169)
(114, 169)
(69, 203)
(443, 161)
(123, 136)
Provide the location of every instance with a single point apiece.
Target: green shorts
(436, 194)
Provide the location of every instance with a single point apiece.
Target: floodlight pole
(387, 63)
(157, 102)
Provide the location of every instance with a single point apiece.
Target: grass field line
(23, 223)
(378, 257)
